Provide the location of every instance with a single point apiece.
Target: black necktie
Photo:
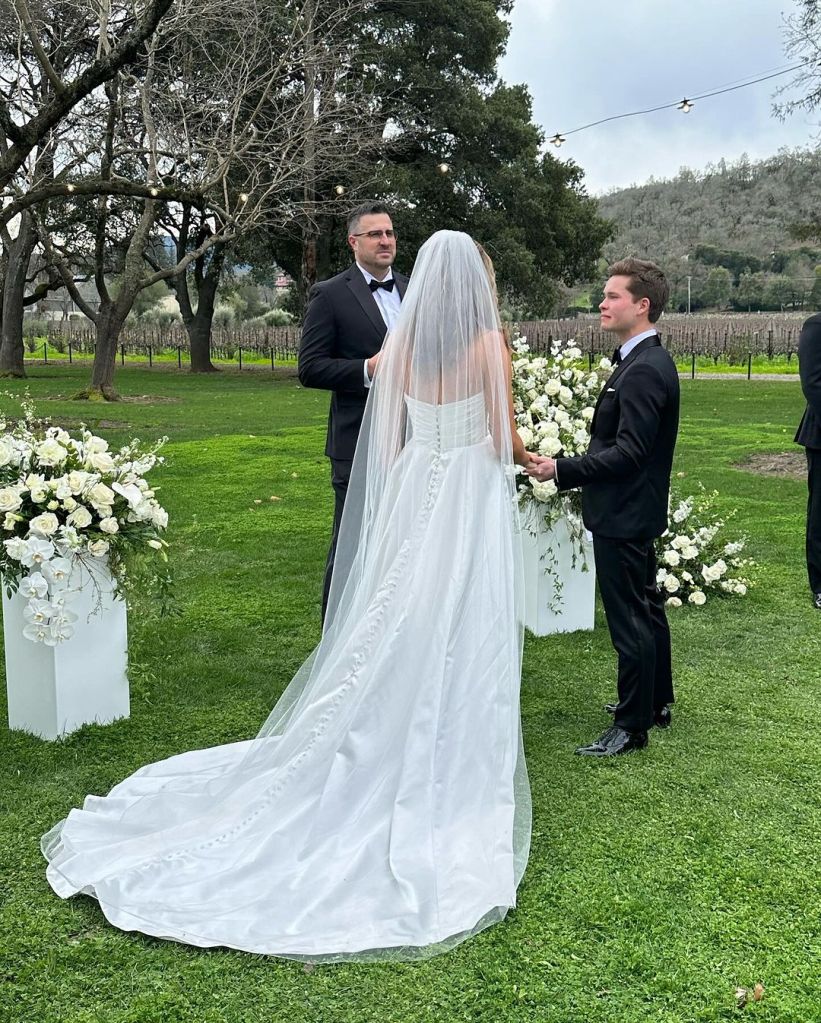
(387, 285)
(616, 356)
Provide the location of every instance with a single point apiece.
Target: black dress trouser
(634, 607)
(340, 476)
(814, 518)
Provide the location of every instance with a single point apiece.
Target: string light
(243, 197)
(69, 188)
(153, 191)
(340, 190)
(685, 105)
(443, 168)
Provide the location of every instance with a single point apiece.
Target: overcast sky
(588, 59)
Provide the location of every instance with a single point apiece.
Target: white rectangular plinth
(56, 690)
(575, 603)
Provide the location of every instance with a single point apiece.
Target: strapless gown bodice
(455, 424)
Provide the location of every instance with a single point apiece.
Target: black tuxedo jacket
(626, 471)
(809, 367)
(343, 328)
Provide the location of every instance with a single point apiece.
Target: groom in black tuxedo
(345, 324)
(809, 435)
(625, 477)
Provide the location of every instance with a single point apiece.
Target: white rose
(525, 434)
(10, 499)
(45, 525)
(110, 525)
(98, 548)
(573, 353)
(552, 387)
(80, 517)
(565, 395)
(740, 589)
(7, 452)
(69, 504)
(671, 558)
(588, 412)
(51, 452)
(94, 444)
(544, 491)
(689, 552)
(550, 446)
(53, 505)
(673, 602)
(101, 461)
(581, 438)
(671, 584)
(697, 598)
(62, 488)
(605, 364)
(77, 480)
(100, 494)
(159, 517)
(549, 429)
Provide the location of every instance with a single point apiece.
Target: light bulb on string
(339, 189)
(685, 106)
(443, 168)
(557, 140)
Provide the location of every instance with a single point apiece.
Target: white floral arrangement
(554, 399)
(696, 560)
(68, 502)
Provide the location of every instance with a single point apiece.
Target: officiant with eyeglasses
(345, 325)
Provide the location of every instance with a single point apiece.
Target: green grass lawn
(658, 883)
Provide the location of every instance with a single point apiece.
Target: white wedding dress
(386, 811)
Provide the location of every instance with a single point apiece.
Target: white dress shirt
(630, 344)
(389, 302)
(624, 350)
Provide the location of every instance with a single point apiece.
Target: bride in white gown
(384, 809)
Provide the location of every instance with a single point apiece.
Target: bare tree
(216, 118)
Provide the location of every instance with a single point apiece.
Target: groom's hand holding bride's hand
(542, 469)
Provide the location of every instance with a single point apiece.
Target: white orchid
(34, 586)
(37, 551)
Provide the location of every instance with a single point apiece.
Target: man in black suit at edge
(345, 324)
(809, 435)
(625, 477)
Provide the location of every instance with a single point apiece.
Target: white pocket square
(613, 389)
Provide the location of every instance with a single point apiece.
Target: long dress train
(386, 812)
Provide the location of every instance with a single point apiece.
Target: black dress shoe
(816, 600)
(662, 718)
(614, 742)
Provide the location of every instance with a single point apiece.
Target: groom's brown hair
(646, 280)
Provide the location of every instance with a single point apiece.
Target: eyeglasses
(375, 235)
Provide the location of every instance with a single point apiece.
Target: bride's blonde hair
(487, 263)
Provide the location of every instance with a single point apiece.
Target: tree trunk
(14, 291)
(107, 335)
(199, 334)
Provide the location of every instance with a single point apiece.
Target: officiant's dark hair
(365, 210)
(646, 281)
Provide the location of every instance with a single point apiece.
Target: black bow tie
(387, 285)
(616, 356)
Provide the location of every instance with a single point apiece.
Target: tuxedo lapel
(401, 284)
(364, 296)
(648, 342)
